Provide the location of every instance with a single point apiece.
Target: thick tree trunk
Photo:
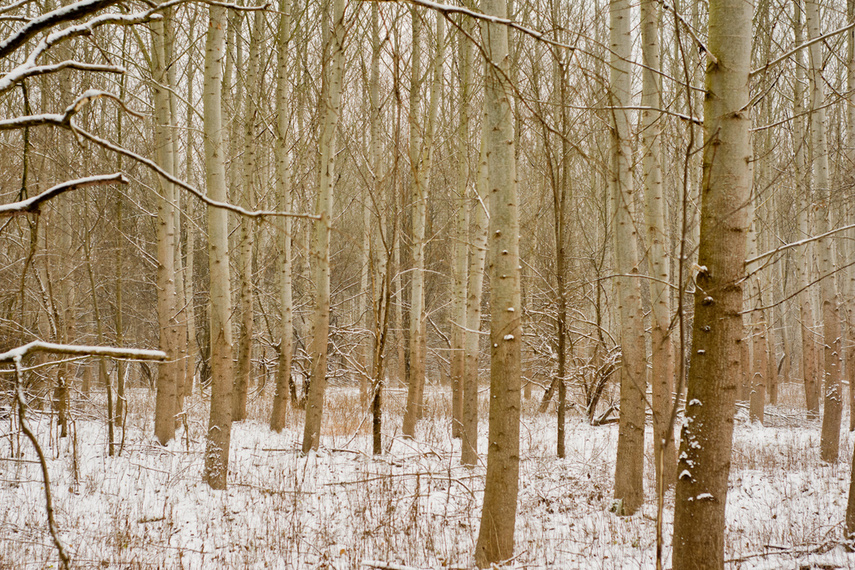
(220, 306)
(633, 371)
(320, 252)
(498, 518)
(707, 436)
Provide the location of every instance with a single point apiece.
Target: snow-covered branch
(32, 205)
(82, 350)
(63, 120)
(46, 21)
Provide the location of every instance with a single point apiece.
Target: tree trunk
(474, 286)
(833, 409)
(220, 306)
(458, 312)
(283, 195)
(633, 371)
(662, 360)
(247, 305)
(707, 435)
(166, 406)
(498, 518)
(320, 252)
(421, 159)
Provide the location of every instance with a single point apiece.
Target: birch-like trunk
(809, 356)
(284, 199)
(247, 225)
(421, 162)
(707, 434)
(220, 306)
(662, 358)
(833, 408)
(474, 286)
(498, 518)
(629, 486)
(320, 248)
(166, 405)
(459, 264)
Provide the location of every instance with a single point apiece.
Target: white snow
(413, 507)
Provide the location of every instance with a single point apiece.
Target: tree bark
(166, 406)
(833, 409)
(284, 199)
(320, 249)
(662, 358)
(498, 518)
(707, 435)
(629, 473)
(220, 306)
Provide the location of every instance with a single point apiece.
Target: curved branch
(32, 205)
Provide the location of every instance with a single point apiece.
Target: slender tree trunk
(474, 286)
(458, 312)
(320, 252)
(633, 380)
(833, 409)
(707, 435)
(662, 359)
(166, 407)
(247, 305)
(809, 356)
(421, 160)
(220, 307)
(284, 199)
(498, 518)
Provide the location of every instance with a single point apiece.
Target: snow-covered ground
(414, 506)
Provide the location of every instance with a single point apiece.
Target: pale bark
(166, 406)
(707, 435)
(459, 264)
(662, 359)
(284, 199)
(498, 518)
(474, 286)
(809, 356)
(833, 408)
(758, 366)
(421, 163)
(220, 306)
(247, 225)
(320, 248)
(633, 371)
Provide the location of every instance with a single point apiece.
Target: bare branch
(65, 14)
(110, 351)
(32, 205)
(786, 55)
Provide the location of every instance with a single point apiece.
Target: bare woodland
(415, 284)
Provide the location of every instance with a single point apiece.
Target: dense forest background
(283, 197)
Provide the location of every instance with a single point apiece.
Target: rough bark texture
(496, 532)
(629, 489)
(707, 435)
(220, 308)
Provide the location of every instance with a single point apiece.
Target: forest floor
(412, 507)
